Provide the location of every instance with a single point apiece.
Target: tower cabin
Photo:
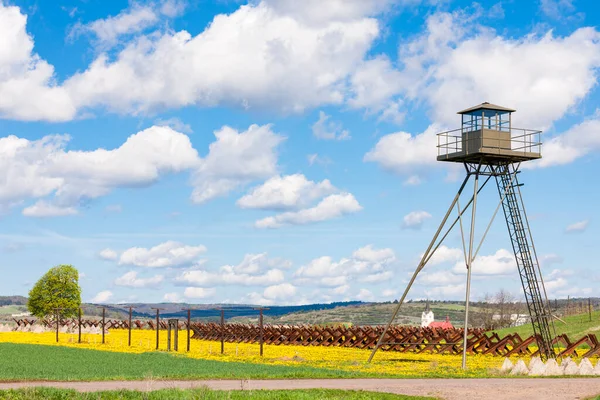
(487, 136)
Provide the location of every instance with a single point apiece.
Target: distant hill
(350, 312)
(175, 310)
(13, 301)
(368, 314)
(213, 312)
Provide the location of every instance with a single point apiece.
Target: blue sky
(283, 152)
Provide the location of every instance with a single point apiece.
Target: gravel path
(448, 389)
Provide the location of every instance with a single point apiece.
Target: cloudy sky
(282, 151)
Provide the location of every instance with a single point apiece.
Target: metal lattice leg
(526, 258)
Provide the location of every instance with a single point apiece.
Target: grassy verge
(575, 326)
(37, 362)
(27, 362)
(204, 394)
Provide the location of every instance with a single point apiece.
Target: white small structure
(23, 314)
(516, 319)
(427, 316)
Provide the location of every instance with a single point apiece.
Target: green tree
(58, 288)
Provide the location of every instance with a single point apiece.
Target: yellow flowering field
(339, 358)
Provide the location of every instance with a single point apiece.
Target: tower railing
(526, 141)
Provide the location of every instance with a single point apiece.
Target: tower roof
(486, 106)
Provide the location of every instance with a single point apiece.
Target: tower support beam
(506, 173)
(469, 269)
(422, 263)
(431, 249)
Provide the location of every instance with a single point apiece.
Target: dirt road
(448, 389)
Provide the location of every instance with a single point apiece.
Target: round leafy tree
(58, 288)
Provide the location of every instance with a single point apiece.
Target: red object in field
(441, 324)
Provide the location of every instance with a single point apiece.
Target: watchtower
(490, 147)
(486, 135)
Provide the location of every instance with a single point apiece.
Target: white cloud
(441, 277)
(102, 297)
(496, 11)
(173, 297)
(254, 270)
(287, 192)
(500, 263)
(373, 85)
(28, 89)
(576, 142)
(366, 264)
(131, 280)
(446, 291)
(256, 298)
(403, 153)
(412, 180)
(133, 20)
(41, 168)
(333, 206)
(378, 277)
(35, 169)
(294, 192)
(365, 295)
(341, 289)
(580, 226)
(256, 263)
(317, 159)
(108, 254)
(415, 219)
(228, 276)
(199, 293)
(325, 129)
(557, 284)
(281, 292)
(173, 8)
(455, 58)
(557, 9)
(319, 12)
(167, 254)
(44, 209)
(372, 255)
(446, 254)
(234, 159)
(243, 59)
(174, 123)
(553, 284)
(548, 259)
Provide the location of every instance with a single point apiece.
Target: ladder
(526, 258)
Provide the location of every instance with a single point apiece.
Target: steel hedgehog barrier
(398, 338)
(93, 323)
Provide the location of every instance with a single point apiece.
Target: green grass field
(576, 326)
(204, 394)
(8, 310)
(37, 362)
(26, 362)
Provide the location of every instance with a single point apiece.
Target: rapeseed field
(332, 358)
